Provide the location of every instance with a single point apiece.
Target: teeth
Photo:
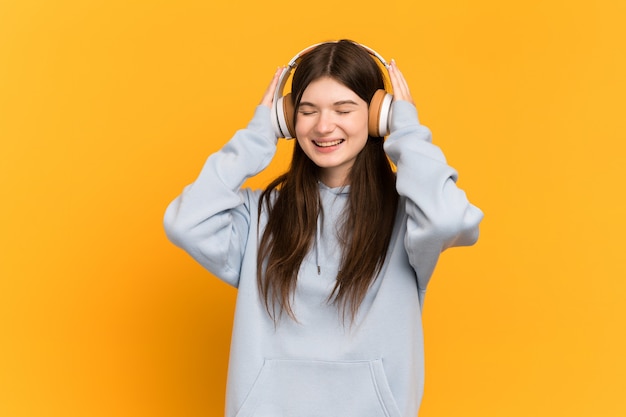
(327, 144)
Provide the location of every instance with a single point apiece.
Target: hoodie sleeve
(439, 215)
(211, 218)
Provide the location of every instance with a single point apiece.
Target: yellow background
(108, 108)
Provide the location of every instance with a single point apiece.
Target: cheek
(301, 136)
(300, 142)
(360, 125)
(301, 128)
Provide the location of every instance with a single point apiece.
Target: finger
(268, 97)
(398, 82)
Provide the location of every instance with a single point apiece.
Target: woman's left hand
(398, 83)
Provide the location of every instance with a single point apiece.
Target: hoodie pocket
(295, 388)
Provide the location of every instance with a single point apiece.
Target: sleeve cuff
(403, 114)
(261, 123)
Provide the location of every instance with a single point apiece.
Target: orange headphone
(283, 106)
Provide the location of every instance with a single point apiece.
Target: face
(331, 128)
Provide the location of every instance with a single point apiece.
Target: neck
(334, 179)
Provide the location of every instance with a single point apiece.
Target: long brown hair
(293, 200)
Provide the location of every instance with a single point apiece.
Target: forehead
(328, 90)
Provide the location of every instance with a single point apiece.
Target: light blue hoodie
(317, 366)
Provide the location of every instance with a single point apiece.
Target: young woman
(333, 258)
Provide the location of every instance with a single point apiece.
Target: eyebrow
(337, 103)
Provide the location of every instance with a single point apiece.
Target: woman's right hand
(268, 97)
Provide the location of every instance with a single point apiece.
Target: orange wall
(108, 108)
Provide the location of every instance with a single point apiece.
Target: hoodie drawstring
(317, 245)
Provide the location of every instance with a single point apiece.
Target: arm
(211, 218)
(439, 214)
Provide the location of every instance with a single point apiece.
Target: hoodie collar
(344, 189)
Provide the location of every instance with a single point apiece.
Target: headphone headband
(292, 62)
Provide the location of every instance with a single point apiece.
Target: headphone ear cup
(288, 110)
(282, 117)
(379, 114)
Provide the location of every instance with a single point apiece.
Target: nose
(325, 123)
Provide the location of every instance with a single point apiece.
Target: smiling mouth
(328, 144)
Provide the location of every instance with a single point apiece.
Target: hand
(268, 97)
(398, 83)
